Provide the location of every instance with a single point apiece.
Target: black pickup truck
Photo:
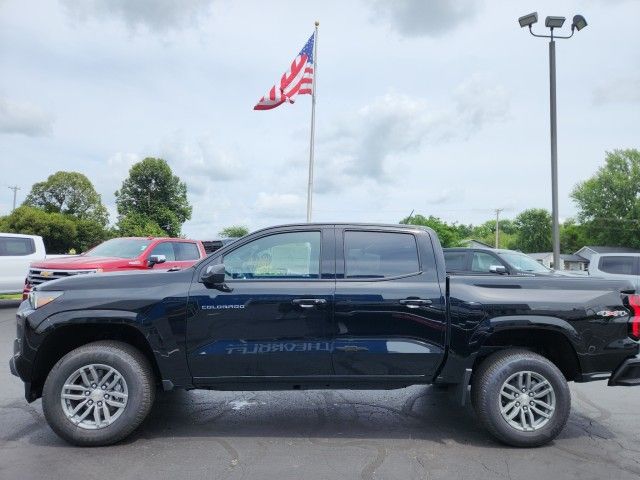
(322, 306)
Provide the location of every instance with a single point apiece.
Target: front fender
(164, 338)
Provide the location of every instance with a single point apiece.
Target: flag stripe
(298, 80)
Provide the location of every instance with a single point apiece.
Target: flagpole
(313, 124)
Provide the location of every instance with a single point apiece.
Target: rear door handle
(308, 302)
(415, 302)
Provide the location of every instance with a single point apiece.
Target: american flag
(298, 80)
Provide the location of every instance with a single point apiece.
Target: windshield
(120, 248)
(524, 263)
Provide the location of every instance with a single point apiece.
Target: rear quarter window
(455, 261)
(186, 251)
(16, 246)
(380, 254)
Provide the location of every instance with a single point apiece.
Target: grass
(10, 296)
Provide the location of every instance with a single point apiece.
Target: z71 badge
(611, 313)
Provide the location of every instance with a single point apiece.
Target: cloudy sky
(439, 106)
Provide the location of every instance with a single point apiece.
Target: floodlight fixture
(528, 20)
(554, 22)
(578, 22)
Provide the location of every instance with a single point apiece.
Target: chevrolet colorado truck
(317, 306)
(118, 254)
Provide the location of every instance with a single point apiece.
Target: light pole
(553, 22)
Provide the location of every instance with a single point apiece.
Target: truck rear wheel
(99, 393)
(521, 398)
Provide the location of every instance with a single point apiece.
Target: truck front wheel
(521, 398)
(98, 393)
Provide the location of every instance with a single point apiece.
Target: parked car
(118, 254)
(17, 251)
(322, 306)
(493, 261)
(620, 266)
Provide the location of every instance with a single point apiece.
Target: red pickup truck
(119, 254)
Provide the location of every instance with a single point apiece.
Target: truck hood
(118, 284)
(81, 262)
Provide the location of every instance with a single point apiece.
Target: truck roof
(351, 224)
(19, 235)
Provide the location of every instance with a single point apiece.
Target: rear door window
(16, 246)
(185, 251)
(618, 264)
(380, 254)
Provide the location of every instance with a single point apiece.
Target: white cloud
(618, 90)
(24, 119)
(200, 161)
(432, 18)
(480, 101)
(367, 144)
(281, 205)
(156, 15)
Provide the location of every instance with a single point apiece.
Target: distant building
(569, 262)
(580, 260)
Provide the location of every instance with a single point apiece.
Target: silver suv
(619, 266)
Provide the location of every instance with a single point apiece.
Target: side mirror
(213, 276)
(499, 269)
(155, 259)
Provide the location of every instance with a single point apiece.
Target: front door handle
(308, 302)
(415, 302)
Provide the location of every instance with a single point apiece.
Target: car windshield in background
(120, 248)
(524, 263)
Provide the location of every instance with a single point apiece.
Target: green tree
(70, 193)
(154, 192)
(533, 231)
(138, 225)
(573, 236)
(234, 231)
(609, 202)
(89, 234)
(58, 231)
(448, 234)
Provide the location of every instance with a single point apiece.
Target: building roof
(567, 257)
(469, 241)
(539, 255)
(572, 257)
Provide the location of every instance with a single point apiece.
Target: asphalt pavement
(412, 433)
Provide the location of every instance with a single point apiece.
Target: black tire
(485, 394)
(134, 368)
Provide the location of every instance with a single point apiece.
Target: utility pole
(498, 210)
(15, 189)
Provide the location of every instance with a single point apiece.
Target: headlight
(39, 299)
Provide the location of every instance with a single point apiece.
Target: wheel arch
(61, 339)
(553, 338)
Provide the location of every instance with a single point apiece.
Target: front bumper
(627, 374)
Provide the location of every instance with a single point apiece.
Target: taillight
(634, 321)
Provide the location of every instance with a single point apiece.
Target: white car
(17, 251)
(617, 266)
